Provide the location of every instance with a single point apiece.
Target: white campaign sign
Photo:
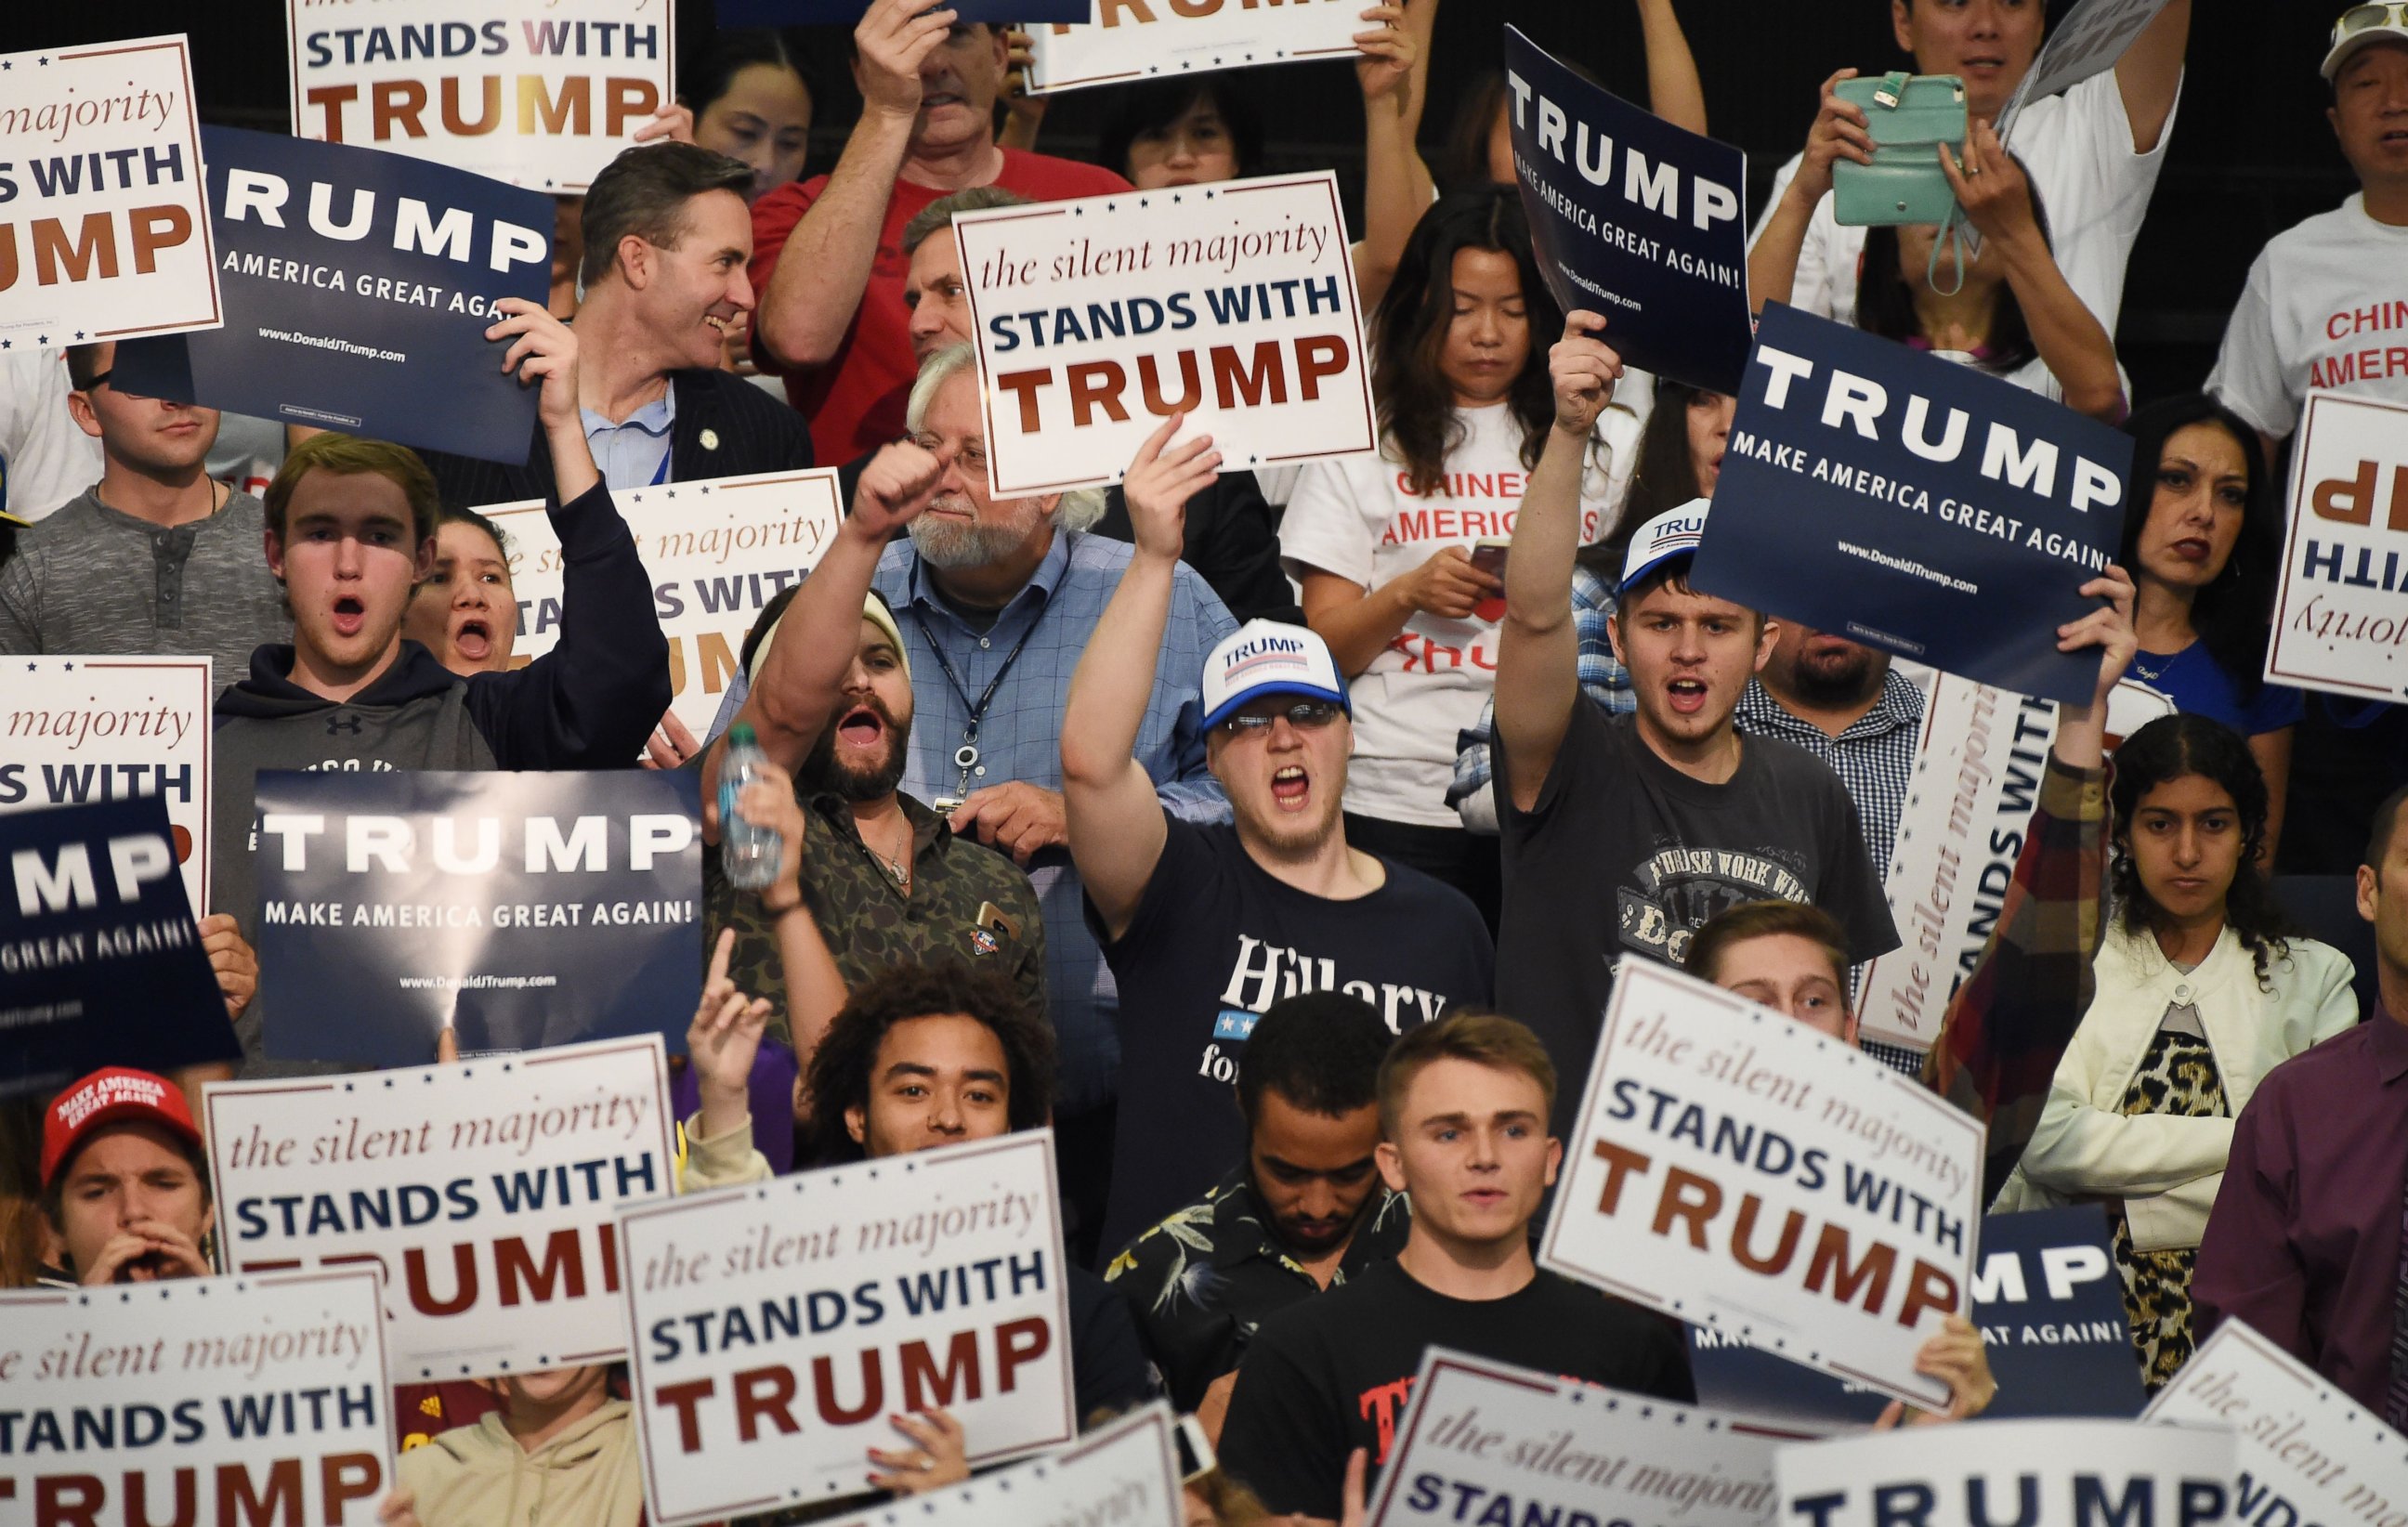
(1144, 39)
(775, 1328)
(105, 234)
(2340, 621)
(263, 1399)
(537, 93)
(1735, 1169)
(717, 552)
(1124, 1473)
(1096, 320)
(1967, 820)
(2060, 1473)
(1485, 1441)
(2089, 41)
(483, 1192)
(76, 729)
(2306, 1454)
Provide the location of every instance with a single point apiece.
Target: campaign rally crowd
(1274, 835)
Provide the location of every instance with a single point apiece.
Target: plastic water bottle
(747, 853)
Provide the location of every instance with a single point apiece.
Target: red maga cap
(112, 1095)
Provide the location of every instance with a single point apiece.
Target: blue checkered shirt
(1602, 678)
(1874, 757)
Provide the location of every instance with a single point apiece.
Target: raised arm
(1537, 649)
(543, 352)
(1998, 201)
(2149, 75)
(789, 703)
(1116, 825)
(1997, 1052)
(1840, 132)
(1674, 91)
(1397, 186)
(824, 267)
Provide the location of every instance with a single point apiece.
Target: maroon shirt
(2304, 1241)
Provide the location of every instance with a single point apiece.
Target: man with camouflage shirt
(884, 878)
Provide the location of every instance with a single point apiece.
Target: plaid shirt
(2009, 1022)
(1602, 678)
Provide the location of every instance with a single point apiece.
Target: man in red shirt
(832, 317)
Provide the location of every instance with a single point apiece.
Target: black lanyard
(965, 757)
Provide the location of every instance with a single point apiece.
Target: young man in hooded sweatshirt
(351, 529)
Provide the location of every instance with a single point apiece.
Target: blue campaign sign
(1880, 494)
(1633, 218)
(847, 12)
(522, 910)
(358, 286)
(100, 959)
(2050, 1305)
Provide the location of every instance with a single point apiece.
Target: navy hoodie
(590, 703)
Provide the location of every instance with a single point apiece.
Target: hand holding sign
(1958, 1357)
(941, 1459)
(1161, 482)
(1583, 370)
(1390, 53)
(893, 39)
(2108, 628)
(543, 351)
(236, 961)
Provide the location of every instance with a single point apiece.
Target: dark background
(2251, 155)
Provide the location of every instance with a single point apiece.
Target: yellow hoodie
(479, 1477)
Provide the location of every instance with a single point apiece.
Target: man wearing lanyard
(996, 601)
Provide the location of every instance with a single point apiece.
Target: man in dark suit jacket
(667, 236)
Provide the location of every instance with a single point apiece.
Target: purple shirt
(2304, 1241)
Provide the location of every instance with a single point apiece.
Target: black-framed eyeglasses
(1305, 716)
(101, 380)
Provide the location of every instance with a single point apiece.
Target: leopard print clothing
(2177, 1077)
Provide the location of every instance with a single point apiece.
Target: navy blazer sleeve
(592, 701)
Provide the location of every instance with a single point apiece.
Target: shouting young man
(1205, 926)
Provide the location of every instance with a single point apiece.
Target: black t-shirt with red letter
(1332, 1374)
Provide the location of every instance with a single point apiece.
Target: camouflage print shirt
(869, 925)
(1201, 1280)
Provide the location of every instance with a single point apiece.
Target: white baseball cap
(2360, 25)
(1269, 657)
(1675, 533)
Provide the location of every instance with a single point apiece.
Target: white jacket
(2165, 1168)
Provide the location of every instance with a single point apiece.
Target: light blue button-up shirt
(634, 454)
(1020, 738)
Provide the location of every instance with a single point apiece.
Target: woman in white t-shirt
(2011, 312)
(1389, 547)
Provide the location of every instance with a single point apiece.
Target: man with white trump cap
(1205, 926)
(1622, 835)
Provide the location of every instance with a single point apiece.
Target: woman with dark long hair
(2204, 543)
(1182, 131)
(1388, 546)
(2201, 989)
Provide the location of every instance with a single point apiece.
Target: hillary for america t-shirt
(1625, 854)
(1360, 518)
(1215, 941)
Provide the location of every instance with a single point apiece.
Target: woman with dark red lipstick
(2204, 545)
(2199, 992)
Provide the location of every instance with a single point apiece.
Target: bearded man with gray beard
(994, 600)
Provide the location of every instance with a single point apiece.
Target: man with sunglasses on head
(156, 556)
(1205, 926)
(2323, 310)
